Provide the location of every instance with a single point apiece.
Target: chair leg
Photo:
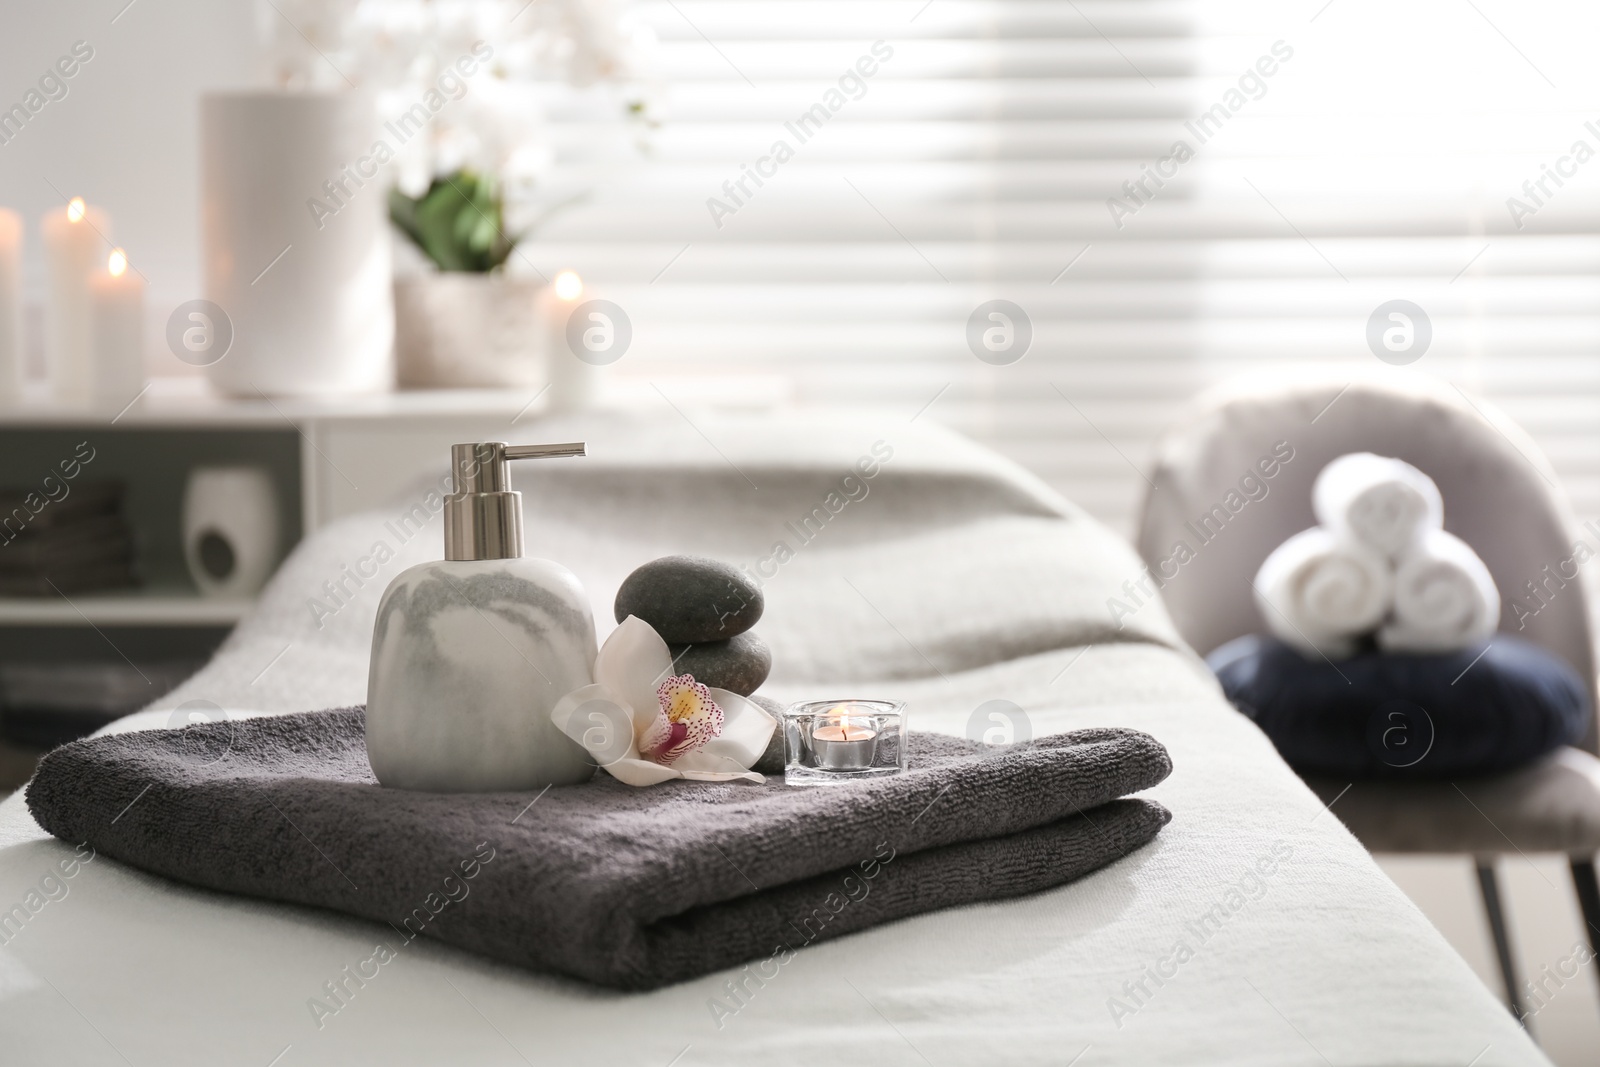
(1489, 886)
(1583, 881)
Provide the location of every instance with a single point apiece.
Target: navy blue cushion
(1378, 715)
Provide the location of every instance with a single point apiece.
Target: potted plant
(469, 323)
(461, 91)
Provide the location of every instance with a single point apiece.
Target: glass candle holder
(829, 742)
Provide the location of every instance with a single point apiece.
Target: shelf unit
(329, 458)
(149, 606)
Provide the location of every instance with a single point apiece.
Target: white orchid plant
(644, 724)
(398, 50)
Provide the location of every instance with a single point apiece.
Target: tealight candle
(116, 297)
(11, 357)
(72, 243)
(834, 742)
(843, 743)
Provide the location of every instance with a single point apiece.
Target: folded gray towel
(635, 888)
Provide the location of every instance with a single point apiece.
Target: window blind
(1173, 193)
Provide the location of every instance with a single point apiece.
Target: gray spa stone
(738, 665)
(690, 599)
(771, 761)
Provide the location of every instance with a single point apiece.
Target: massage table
(1253, 930)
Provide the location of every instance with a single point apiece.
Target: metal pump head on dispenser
(483, 517)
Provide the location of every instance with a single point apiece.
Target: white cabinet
(327, 459)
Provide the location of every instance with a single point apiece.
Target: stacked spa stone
(703, 609)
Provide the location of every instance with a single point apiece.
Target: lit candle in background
(11, 355)
(72, 248)
(574, 383)
(116, 299)
(568, 285)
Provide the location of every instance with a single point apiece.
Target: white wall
(124, 137)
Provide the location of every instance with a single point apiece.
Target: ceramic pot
(230, 529)
(294, 220)
(456, 330)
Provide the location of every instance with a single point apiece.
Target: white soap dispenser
(470, 653)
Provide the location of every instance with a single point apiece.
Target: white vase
(230, 529)
(457, 330)
(294, 222)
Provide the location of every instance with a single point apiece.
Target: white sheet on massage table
(1330, 964)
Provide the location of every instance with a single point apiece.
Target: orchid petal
(625, 719)
(704, 762)
(724, 776)
(606, 736)
(655, 737)
(695, 717)
(641, 772)
(632, 662)
(746, 730)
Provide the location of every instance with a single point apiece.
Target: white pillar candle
(574, 382)
(72, 249)
(116, 299)
(11, 355)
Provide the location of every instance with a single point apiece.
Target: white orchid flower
(645, 725)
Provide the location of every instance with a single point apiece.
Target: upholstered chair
(1500, 496)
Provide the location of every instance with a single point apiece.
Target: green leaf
(458, 223)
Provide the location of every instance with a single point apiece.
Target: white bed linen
(903, 595)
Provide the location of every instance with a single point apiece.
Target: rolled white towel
(1319, 592)
(1444, 598)
(1382, 502)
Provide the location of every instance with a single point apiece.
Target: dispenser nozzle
(575, 448)
(483, 517)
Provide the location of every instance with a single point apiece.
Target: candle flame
(568, 285)
(117, 264)
(839, 724)
(76, 209)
